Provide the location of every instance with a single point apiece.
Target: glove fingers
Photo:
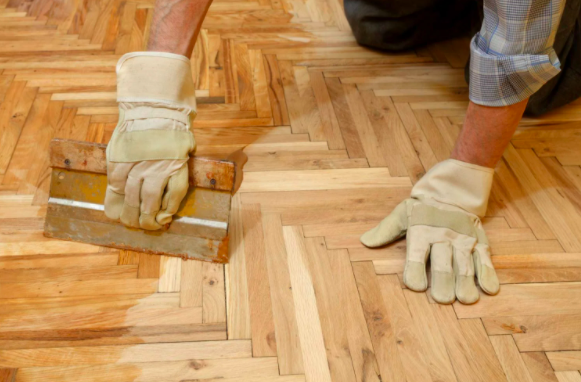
(130, 211)
(176, 190)
(390, 229)
(466, 290)
(418, 248)
(485, 272)
(115, 194)
(151, 194)
(443, 282)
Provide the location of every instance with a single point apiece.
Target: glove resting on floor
(442, 222)
(147, 170)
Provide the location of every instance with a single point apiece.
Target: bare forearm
(487, 132)
(176, 25)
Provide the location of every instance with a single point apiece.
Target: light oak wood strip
(459, 348)
(155, 371)
(330, 312)
(526, 247)
(320, 180)
(386, 136)
(213, 291)
(288, 346)
(309, 113)
(538, 275)
(439, 145)
(568, 376)
(261, 319)
(379, 323)
(77, 288)
(431, 338)
(404, 143)
(510, 359)
(170, 274)
(237, 302)
(101, 259)
(281, 202)
(45, 248)
(539, 260)
(313, 230)
(329, 122)
(191, 289)
(301, 112)
(67, 274)
(326, 216)
(344, 118)
(315, 361)
(360, 345)
(66, 67)
(416, 135)
(260, 164)
(98, 355)
(369, 141)
(539, 367)
(565, 361)
(410, 349)
(523, 202)
(548, 202)
(531, 299)
(539, 333)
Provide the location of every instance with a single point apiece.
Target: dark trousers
(396, 25)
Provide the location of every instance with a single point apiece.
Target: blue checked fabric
(512, 56)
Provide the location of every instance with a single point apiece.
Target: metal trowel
(76, 212)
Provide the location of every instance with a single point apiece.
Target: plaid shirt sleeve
(512, 56)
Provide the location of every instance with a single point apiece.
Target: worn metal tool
(77, 191)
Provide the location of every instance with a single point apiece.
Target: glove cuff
(156, 77)
(456, 183)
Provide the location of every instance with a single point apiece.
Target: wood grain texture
(328, 137)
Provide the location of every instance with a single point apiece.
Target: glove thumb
(390, 229)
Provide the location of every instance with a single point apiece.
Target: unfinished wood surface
(328, 137)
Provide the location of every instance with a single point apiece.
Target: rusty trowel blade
(77, 191)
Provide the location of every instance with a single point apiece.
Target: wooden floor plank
(288, 346)
(379, 323)
(261, 319)
(309, 325)
(97, 355)
(565, 361)
(534, 299)
(328, 136)
(333, 324)
(360, 344)
(539, 367)
(154, 371)
(510, 359)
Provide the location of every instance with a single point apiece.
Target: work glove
(147, 170)
(442, 222)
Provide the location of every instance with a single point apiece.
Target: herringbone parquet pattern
(335, 136)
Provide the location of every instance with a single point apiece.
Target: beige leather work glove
(147, 170)
(442, 222)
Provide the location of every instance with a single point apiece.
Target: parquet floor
(335, 136)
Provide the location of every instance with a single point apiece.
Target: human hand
(147, 171)
(442, 222)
